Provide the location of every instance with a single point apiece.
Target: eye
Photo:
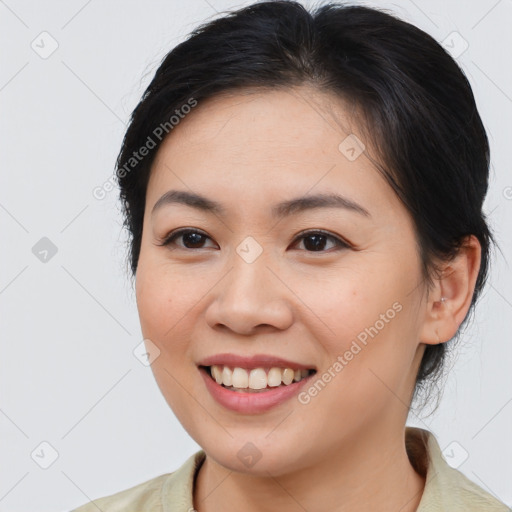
(314, 241)
(192, 239)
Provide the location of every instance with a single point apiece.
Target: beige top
(446, 489)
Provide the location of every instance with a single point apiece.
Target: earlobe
(451, 299)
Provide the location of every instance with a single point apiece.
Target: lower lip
(251, 403)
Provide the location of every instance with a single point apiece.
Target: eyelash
(169, 239)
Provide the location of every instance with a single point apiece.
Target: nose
(250, 299)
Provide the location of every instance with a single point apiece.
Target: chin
(257, 459)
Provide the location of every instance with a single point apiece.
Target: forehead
(298, 119)
(269, 145)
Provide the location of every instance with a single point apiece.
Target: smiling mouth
(255, 380)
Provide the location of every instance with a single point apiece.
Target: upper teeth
(257, 378)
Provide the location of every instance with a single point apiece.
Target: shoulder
(473, 497)
(174, 489)
(446, 488)
(144, 496)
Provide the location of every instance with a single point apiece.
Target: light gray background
(69, 325)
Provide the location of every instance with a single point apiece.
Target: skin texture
(344, 450)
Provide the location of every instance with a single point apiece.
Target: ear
(456, 285)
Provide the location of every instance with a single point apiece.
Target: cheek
(364, 377)
(166, 307)
(367, 331)
(164, 299)
(350, 299)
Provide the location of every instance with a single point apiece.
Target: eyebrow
(283, 209)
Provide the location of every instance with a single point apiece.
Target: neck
(366, 474)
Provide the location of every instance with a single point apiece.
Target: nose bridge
(247, 278)
(250, 295)
(249, 265)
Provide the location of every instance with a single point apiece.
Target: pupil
(192, 238)
(317, 244)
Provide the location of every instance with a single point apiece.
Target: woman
(304, 197)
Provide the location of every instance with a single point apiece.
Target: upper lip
(255, 361)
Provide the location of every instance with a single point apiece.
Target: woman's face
(246, 281)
